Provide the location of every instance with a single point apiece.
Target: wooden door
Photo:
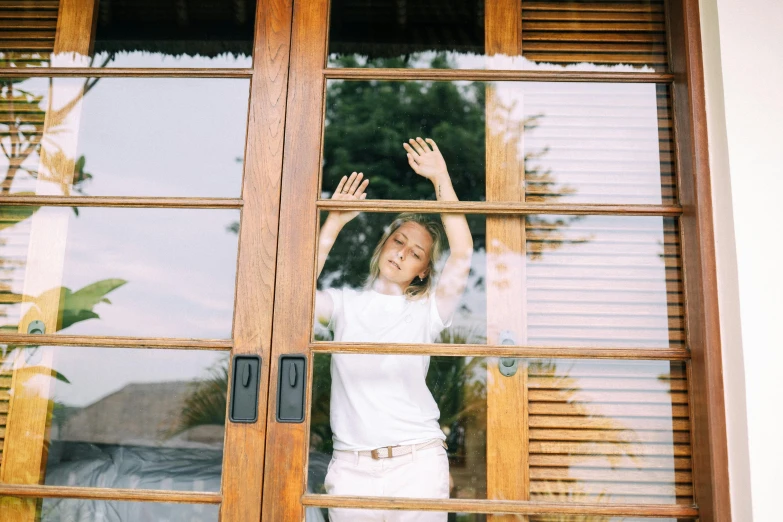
(159, 164)
(594, 421)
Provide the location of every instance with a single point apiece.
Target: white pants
(421, 474)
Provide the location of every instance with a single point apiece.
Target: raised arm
(349, 189)
(426, 160)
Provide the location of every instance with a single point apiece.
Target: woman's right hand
(349, 189)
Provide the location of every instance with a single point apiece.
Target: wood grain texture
(116, 342)
(26, 443)
(503, 27)
(497, 75)
(504, 350)
(123, 72)
(614, 7)
(120, 201)
(131, 495)
(521, 507)
(710, 459)
(497, 207)
(245, 444)
(74, 40)
(508, 473)
(284, 474)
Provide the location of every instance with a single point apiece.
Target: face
(406, 254)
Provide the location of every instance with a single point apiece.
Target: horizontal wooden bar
(517, 507)
(116, 342)
(120, 201)
(494, 75)
(131, 495)
(504, 350)
(119, 72)
(494, 208)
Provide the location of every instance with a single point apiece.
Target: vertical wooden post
(245, 444)
(709, 439)
(285, 472)
(29, 410)
(507, 439)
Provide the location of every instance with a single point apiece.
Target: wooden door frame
(244, 444)
(708, 413)
(298, 225)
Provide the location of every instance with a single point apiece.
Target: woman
(387, 439)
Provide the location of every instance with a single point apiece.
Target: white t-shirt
(382, 400)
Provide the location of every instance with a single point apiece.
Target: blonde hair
(419, 287)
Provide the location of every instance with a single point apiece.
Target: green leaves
(13, 215)
(78, 306)
(206, 405)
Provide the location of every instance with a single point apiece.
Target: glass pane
(123, 136)
(119, 271)
(322, 515)
(602, 281)
(597, 431)
(208, 33)
(552, 35)
(543, 142)
(78, 510)
(120, 417)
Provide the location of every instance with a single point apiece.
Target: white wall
(743, 50)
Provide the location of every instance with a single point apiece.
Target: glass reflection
(80, 510)
(603, 281)
(166, 273)
(208, 33)
(599, 431)
(120, 417)
(316, 515)
(468, 34)
(550, 142)
(122, 136)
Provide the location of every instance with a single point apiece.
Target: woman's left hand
(425, 159)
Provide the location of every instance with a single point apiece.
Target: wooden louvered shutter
(595, 31)
(27, 34)
(606, 431)
(27, 31)
(609, 431)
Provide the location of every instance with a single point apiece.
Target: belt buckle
(376, 455)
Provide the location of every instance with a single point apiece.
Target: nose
(401, 254)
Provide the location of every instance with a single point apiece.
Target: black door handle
(246, 374)
(244, 396)
(291, 389)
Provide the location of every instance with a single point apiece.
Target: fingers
(354, 181)
(346, 187)
(360, 191)
(416, 146)
(341, 184)
(411, 153)
(423, 145)
(419, 147)
(413, 164)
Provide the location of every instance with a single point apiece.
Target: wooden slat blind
(607, 32)
(27, 30)
(599, 143)
(23, 104)
(604, 281)
(5, 386)
(14, 239)
(609, 431)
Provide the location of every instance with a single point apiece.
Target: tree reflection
(31, 130)
(30, 127)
